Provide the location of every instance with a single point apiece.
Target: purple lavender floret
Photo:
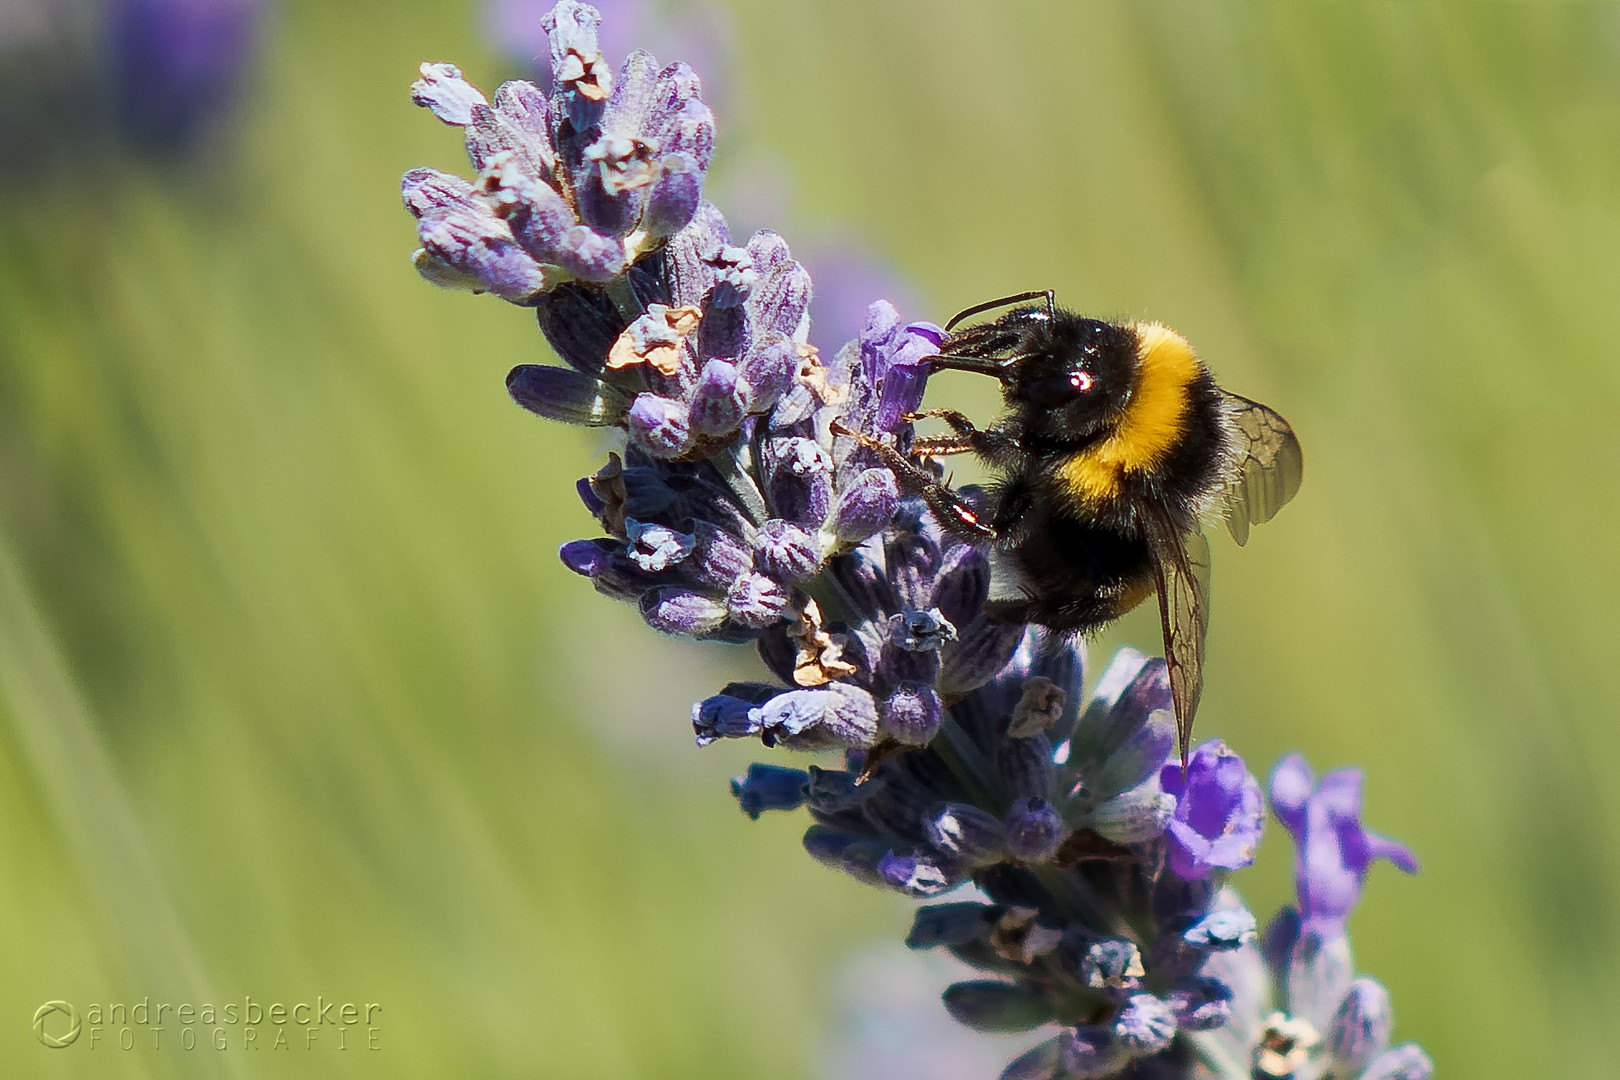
(1219, 812)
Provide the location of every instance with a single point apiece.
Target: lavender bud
(719, 401)
(1405, 1062)
(429, 189)
(565, 394)
(490, 137)
(1134, 816)
(949, 924)
(981, 650)
(1131, 687)
(1282, 933)
(521, 104)
(1025, 766)
(800, 479)
(588, 558)
(734, 275)
(442, 90)
(656, 548)
(479, 245)
(769, 787)
(781, 299)
(997, 1006)
(690, 132)
(1361, 1027)
(580, 76)
(672, 610)
(965, 833)
(844, 850)
(673, 197)
(719, 560)
(769, 368)
(1034, 830)
(962, 583)
(723, 717)
(785, 551)
(912, 714)
(755, 601)
(1139, 757)
(915, 875)
(865, 505)
(659, 425)
(1145, 1025)
(586, 253)
(901, 393)
(837, 714)
(833, 790)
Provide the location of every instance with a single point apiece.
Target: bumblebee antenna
(990, 305)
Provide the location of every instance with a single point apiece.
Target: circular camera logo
(53, 1032)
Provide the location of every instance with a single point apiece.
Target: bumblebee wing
(1270, 466)
(1182, 562)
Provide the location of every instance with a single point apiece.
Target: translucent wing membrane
(1182, 562)
(1270, 467)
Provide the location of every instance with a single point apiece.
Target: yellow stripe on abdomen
(1153, 423)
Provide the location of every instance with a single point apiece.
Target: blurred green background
(295, 698)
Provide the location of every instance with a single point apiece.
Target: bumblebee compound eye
(1055, 391)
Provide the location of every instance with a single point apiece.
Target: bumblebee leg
(968, 438)
(942, 445)
(958, 421)
(953, 514)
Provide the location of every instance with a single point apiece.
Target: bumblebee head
(1072, 377)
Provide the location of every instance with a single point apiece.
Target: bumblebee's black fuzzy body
(1111, 430)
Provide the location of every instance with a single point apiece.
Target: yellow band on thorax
(1153, 422)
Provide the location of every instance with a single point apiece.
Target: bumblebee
(1115, 448)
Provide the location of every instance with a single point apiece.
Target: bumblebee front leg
(953, 514)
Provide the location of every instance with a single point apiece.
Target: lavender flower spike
(755, 500)
(1333, 850)
(576, 179)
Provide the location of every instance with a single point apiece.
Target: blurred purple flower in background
(81, 77)
(177, 65)
(1333, 851)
